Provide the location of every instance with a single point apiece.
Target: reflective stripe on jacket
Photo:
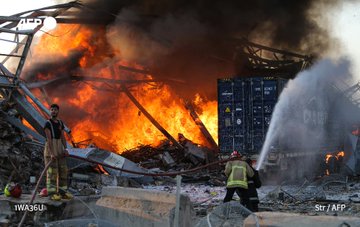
(237, 172)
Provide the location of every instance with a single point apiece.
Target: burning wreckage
(245, 107)
(322, 117)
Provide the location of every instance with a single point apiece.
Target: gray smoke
(311, 113)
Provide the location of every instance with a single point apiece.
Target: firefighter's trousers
(56, 175)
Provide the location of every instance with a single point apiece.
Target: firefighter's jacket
(237, 172)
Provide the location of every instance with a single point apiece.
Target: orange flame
(100, 169)
(27, 124)
(327, 157)
(337, 156)
(340, 154)
(110, 119)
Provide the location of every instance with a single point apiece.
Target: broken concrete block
(139, 207)
(109, 180)
(87, 191)
(167, 159)
(193, 159)
(123, 182)
(195, 150)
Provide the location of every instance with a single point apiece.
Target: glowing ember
(109, 118)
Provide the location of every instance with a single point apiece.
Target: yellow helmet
(7, 191)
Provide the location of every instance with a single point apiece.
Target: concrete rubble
(280, 219)
(291, 198)
(227, 214)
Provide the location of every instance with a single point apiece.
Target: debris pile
(168, 156)
(227, 214)
(308, 197)
(20, 158)
(90, 182)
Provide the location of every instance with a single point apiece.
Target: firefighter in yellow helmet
(238, 172)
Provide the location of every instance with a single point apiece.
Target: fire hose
(120, 169)
(156, 174)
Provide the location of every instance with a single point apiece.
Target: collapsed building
(95, 147)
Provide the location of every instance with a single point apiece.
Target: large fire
(109, 118)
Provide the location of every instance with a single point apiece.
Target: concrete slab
(139, 207)
(81, 207)
(81, 223)
(279, 219)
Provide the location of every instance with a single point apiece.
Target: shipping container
(245, 106)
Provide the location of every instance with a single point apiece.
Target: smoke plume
(311, 112)
(194, 40)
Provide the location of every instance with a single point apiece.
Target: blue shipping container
(245, 106)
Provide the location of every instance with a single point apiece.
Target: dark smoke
(59, 68)
(193, 40)
(288, 21)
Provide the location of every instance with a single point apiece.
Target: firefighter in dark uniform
(253, 183)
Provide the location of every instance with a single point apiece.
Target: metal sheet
(106, 157)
